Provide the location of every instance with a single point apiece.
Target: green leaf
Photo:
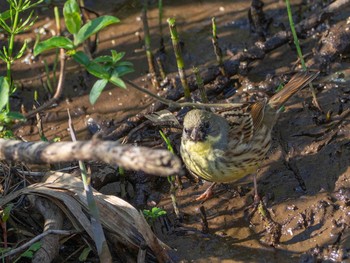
(97, 90)
(20, 53)
(6, 134)
(81, 58)
(94, 68)
(125, 63)
(97, 70)
(2, 56)
(167, 141)
(56, 139)
(117, 81)
(29, 253)
(92, 27)
(2, 119)
(26, 24)
(117, 56)
(4, 26)
(84, 255)
(34, 4)
(104, 59)
(5, 15)
(71, 13)
(5, 53)
(54, 42)
(158, 211)
(14, 115)
(4, 92)
(6, 212)
(123, 70)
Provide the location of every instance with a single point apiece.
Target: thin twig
(37, 238)
(59, 88)
(175, 104)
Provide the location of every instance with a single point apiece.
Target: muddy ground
(305, 178)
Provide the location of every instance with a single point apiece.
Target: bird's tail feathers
(297, 82)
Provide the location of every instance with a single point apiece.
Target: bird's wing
(241, 125)
(257, 111)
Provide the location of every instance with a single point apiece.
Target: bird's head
(199, 125)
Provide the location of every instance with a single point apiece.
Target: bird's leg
(207, 194)
(257, 200)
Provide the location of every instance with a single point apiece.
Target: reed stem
(149, 53)
(179, 59)
(217, 49)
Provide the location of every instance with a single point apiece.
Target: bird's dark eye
(206, 125)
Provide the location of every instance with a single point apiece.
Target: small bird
(230, 144)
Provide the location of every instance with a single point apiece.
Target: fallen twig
(152, 161)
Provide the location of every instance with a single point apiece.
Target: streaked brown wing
(257, 113)
(241, 124)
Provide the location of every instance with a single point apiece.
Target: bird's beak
(197, 135)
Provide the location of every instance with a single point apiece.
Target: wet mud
(304, 181)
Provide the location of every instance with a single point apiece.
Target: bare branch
(153, 161)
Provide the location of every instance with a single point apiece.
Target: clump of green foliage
(13, 22)
(108, 69)
(153, 214)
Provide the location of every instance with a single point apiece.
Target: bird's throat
(204, 147)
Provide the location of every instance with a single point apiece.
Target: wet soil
(304, 181)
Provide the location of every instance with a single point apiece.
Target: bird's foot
(207, 194)
(255, 206)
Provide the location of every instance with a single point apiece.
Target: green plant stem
(149, 53)
(161, 68)
(58, 32)
(17, 26)
(217, 49)
(8, 67)
(295, 36)
(179, 58)
(300, 53)
(99, 236)
(12, 33)
(171, 179)
(11, 42)
(57, 20)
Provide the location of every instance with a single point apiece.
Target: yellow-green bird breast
(223, 165)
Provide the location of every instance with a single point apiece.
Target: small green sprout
(153, 214)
